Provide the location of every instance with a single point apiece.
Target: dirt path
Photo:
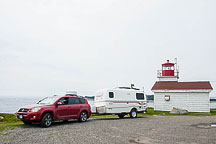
(147, 130)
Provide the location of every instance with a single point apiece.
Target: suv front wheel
(46, 120)
(83, 116)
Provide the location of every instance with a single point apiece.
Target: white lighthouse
(169, 93)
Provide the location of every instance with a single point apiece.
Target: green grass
(151, 112)
(102, 116)
(10, 121)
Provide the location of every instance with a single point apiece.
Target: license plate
(20, 116)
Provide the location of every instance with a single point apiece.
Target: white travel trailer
(120, 101)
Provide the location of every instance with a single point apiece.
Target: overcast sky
(48, 47)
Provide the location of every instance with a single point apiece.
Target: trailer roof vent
(128, 88)
(124, 87)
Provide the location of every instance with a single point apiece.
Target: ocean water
(12, 104)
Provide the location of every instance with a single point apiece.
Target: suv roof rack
(74, 95)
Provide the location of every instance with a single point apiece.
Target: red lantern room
(168, 69)
(168, 72)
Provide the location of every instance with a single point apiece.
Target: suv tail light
(86, 101)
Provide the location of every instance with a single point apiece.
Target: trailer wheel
(121, 116)
(133, 113)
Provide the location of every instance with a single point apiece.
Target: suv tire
(83, 116)
(46, 120)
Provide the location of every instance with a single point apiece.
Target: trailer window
(140, 96)
(111, 95)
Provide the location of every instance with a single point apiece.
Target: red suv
(55, 108)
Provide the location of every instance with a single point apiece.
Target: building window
(140, 96)
(167, 97)
(111, 95)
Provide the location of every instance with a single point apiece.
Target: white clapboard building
(169, 93)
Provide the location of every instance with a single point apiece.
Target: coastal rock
(178, 111)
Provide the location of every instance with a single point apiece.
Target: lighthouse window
(172, 67)
(168, 67)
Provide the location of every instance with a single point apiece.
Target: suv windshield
(48, 100)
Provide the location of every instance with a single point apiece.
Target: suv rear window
(140, 96)
(82, 101)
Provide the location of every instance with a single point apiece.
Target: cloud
(53, 46)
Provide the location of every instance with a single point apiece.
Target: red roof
(174, 85)
(168, 64)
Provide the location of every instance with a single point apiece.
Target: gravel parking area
(147, 130)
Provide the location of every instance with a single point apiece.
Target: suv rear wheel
(83, 116)
(46, 120)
